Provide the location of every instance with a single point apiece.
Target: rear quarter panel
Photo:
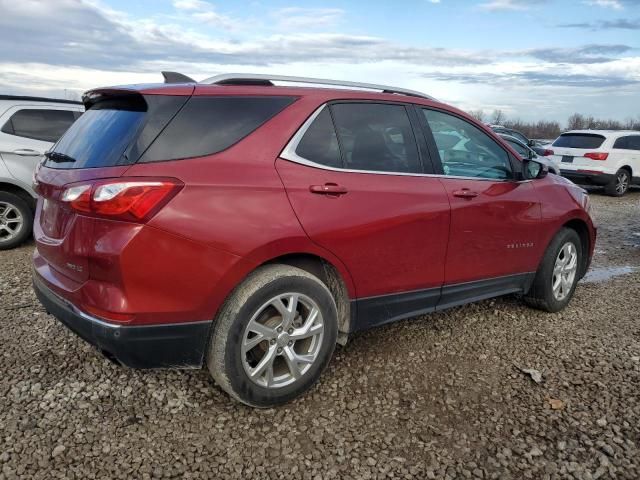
(235, 202)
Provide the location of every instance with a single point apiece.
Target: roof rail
(267, 79)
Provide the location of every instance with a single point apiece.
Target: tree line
(551, 129)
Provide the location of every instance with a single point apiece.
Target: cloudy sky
(542, 59)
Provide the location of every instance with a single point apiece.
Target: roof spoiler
(175, 77)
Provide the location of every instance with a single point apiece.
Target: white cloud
(495, 5)
(93, 45)
(303, 18)
(614, 4)
(204, 12)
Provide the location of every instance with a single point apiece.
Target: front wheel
(556, 279)
(274, 336)
(620, 184)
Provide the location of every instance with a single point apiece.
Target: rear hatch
(570, 149)
(118, 126)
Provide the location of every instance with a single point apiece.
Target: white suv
(610, 158)
(29, 126)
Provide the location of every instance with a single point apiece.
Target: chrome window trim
(289, 153)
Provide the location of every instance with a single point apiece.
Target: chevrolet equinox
(249, 226)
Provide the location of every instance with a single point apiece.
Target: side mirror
(531, 143)
(535, 170)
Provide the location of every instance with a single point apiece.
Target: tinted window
(465, 150)
(319, 143)
(39, 124)
(376, 137)
(519, 136)
(628, 143)
(114, 131)
(518, 147)
(207, 125)
(579, 140)
(98, 139)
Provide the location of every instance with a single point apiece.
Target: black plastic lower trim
(582, 178)
(178, 345)
(469, 292)
(375, 311)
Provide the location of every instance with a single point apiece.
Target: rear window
(40, 124)
(100, 137)
(579, 140)
(132, 128)
(208, 125)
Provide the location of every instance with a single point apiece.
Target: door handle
(328, 189)
(27, 152)
(465, 193)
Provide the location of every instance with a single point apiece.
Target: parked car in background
(29, 126)
(502, 130)
(527, 153)
(609, 158)
(249, 227)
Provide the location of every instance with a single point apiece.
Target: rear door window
(376, 137)
(632, 142)
(40, 124)
(579, 140)
(319, 143)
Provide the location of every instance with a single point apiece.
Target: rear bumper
(588, 178)
(179, 345)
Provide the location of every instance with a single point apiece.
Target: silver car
(527, 152)
(29, 126)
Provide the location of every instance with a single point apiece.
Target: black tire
(620, 184)
(27, 220)
(541, 295)
(224, 357)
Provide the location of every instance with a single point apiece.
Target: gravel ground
(437, 397)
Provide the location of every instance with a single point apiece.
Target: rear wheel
(556, 279)
(620, 184)
(274, 336)
(16, 220)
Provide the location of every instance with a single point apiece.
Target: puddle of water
(603, 274)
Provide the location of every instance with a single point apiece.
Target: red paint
(245, 206)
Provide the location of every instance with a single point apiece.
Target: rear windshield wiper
(59, 157)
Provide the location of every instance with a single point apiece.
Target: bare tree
(478, 114)
(498, 117)
(576, 122)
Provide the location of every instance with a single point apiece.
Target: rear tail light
(122, 199)
(547, 153)
(79, 197)
(596, 155)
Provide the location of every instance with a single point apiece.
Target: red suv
(251, 227)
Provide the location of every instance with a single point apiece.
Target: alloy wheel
(11, 221)
(622, 182)
(282, 340)
(564, 271)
